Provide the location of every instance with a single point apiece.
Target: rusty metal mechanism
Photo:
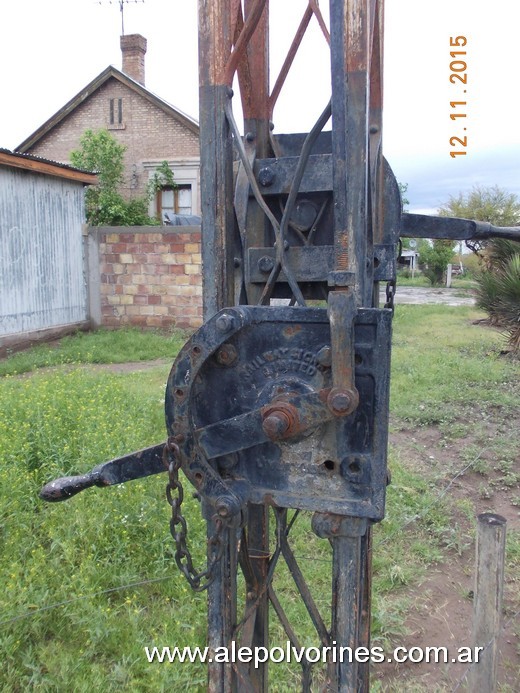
(274, 407)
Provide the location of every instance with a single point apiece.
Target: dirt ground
(441, 608)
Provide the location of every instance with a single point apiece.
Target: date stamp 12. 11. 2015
(458, 109)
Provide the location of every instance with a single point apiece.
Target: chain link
(390, 293)
(199, 581)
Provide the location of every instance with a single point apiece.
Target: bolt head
(266, 176)
(276, 424)
(225, 322)
(324, 356)
(226, 355)
(342, 402)
(265, 264)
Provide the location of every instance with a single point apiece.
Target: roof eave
(87, 91)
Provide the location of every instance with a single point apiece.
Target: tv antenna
(121, 4)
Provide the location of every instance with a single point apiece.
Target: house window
(174, 201)
(116, 112)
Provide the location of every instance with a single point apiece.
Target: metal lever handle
(136, 465)
(68, 486)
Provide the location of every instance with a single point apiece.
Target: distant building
(152, 130)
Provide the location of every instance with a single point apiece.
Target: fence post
(448, 275)
(93, 275)
(487, 605)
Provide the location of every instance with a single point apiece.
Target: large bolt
(276, 424)
(225, 322)
(280, 420)
(226, 355)
(342, 402)
(266, 176)
(226, 506)
(265, 264)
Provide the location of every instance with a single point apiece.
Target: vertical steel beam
(254, 90)
(216, 159)
(348, 596)
(216, 156)
(350, 37)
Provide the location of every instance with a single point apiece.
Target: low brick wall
(148, 276)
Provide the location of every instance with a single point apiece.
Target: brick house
(151, 129)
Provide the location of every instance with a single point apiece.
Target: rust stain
(292, 330)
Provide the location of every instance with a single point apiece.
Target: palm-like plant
(498, 291)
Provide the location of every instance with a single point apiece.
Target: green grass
(420, 280)
(105, 557)
(102, 346)
(442, 363)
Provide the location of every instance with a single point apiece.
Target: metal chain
(199, 581)
(391, 285)
(390, 293)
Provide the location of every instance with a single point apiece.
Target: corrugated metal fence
(42, 276)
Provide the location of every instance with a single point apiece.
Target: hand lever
(136, 465)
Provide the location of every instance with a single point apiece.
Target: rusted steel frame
(293, 639)
(262, 587)
(321, 21)
(312, 8)
(348, 588)
(253, 67)
(237, 18)
(281, 263)
(255, 107)
(365, 606)
(297, 576)
(377, 201)
(240, 47)
(215, 41)
(222, 613)
(253, 75)
(342, 311)
(350, 34)
(280, 80)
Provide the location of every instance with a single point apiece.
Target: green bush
(498, 288)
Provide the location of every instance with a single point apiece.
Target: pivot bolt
(276, 424)
(225, 322)
(280, 420)
(342, 402)
(226, 506)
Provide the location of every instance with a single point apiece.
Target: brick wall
(149, 276)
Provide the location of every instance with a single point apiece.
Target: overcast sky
(51, 49)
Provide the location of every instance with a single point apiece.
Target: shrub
(498, 291)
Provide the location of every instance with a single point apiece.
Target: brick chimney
(133, 48)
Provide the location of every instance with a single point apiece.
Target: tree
(403, 188)
(493, 204)
(498, 278)
(105, 206)
(436, 257)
